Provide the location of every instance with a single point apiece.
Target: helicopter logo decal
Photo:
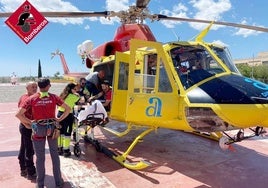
(26, 19)
(257, 84)
(26, 22)
(155, 109)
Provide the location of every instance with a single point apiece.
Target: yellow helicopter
(190, 86)
(193, 86)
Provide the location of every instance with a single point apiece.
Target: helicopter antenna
(177, 37)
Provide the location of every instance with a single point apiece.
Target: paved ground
(178, 160)
(11, 93)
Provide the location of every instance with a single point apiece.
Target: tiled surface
(179, 160)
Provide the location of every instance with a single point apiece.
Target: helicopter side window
(123, 76)
(164, 83)
(151, 64)
(145, 79)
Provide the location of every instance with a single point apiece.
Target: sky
(65, 34)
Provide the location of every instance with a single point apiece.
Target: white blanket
(95, 108)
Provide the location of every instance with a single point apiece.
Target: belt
(48, 122)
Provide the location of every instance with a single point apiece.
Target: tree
(39, 69)
(259, 72)
(245, 70)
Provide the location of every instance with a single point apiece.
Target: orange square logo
(26, 22)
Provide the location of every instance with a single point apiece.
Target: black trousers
(26, 152)
(67, 124)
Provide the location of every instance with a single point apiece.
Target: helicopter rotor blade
(142, 3)
(65, 14)
(5, 14)
(139, 4)
(256, 28)
(75, 14)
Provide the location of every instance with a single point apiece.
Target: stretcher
(86, 118)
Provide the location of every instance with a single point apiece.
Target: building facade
(260, 59)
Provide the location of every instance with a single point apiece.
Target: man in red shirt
(26, 146)
(43, 107)
(105, 96)
(107, 93)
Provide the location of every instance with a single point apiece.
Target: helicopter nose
(244, 116)
(215, 117)
(236, 100)
(230, 89)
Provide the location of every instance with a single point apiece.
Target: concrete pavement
(179, 160)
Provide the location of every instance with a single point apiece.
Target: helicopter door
(153, 98)
(120, 87)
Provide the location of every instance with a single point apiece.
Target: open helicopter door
(152, 96)
(120, 87)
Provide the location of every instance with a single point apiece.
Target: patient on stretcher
(94, 112)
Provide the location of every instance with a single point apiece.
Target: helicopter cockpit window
(225, 57)
(194, 64)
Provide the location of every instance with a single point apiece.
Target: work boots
(60, 150)
(66, 153)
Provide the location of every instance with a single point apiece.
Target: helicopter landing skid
(137, 165)
(122, 159)
(212, 135)
(226, 141)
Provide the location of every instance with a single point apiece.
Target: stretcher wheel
(97, 145)
(77, 151)
(74, 136)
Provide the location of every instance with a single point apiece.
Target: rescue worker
(70, 97)
(105, 96)
(82, 91)
(43, 105)
(94, 80)
(26, 152)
